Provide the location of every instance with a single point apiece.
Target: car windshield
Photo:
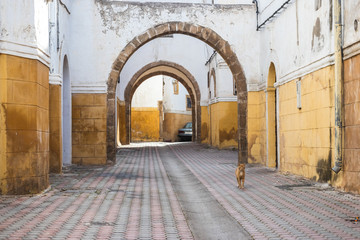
(188, 125)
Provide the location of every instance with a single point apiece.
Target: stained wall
(24, 124)
(88, 129)
(55, 161)
(257, 127)
(352, 125)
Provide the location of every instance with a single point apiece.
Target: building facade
(278, 80)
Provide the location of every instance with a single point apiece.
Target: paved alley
(179, 191)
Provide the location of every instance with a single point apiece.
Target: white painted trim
(253, 87)
(352, 50)
(89, 89)
(25, 51)
(349, 51)
(307, 69)
(222, 99)
(300, 72)
(55, 79)
(178, 112)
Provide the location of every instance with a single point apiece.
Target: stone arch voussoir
(191, 86)
(202, 33)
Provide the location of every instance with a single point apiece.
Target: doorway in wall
(66, 113)
(272, 128)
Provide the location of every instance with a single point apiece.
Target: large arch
(175, 71)
(204, 34)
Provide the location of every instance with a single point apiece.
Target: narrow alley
(179, 191)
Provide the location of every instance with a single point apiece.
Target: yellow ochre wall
(55, 162)
(89, 128)
(257, 127)
(145, 124)
(351, 178)
(219, 125)
(306, 134)
(24, 125)
(205, 125)
(172, 123)
(121, 127)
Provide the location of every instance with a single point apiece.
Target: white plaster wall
(148, 93)
(183, 50)
(174, 103)
(351, 13)
(59, 36)
(101, 30)
(298, 41)
(24, 29)
(223, 77)
(224, 81)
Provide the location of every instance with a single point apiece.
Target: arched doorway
(271, 124)
(66, 110)
(202, 33)
(212, 96)
(175, 71)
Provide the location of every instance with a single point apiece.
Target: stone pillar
(55, 164)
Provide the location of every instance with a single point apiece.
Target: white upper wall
(186, 51)
(100, 30)
(351, 36)
(174, 103)
(300, 39)
(24, 29)
(148, 93)
(59, 38)
(223, 80)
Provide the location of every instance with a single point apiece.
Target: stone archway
(175, 71)
(204, 34)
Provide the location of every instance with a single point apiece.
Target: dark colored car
(185, 133)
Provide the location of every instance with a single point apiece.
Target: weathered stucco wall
(24, 124)
(306, 134)
(88, 129)
(257, 127)
(24, 29)
(56, 161)
(223, 124)
(145, 124)
(115, 24)
(352, 125)
(172, 123)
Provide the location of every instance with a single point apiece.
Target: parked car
(185, 133)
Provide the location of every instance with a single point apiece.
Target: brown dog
(240, 175)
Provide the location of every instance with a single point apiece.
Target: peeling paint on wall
(317, 42)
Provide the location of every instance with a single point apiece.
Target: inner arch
(175, 71)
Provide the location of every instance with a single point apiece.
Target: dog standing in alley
(240, 175)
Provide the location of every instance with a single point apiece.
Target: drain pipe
(339, 81)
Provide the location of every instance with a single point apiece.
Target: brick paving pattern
(135, 200)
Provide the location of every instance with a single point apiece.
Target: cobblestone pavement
(135, 199)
